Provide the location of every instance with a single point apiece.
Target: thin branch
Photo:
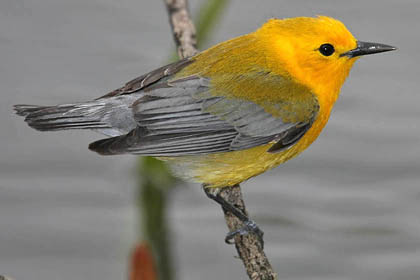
(252, 255)
(182, 27)
(248, 246)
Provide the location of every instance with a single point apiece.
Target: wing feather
(178, 117)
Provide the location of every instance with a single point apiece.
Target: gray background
(348, 208)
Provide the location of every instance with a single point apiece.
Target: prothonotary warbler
(230, 112)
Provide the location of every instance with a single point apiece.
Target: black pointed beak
(364, 48)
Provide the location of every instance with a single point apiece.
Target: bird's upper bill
(364, 48)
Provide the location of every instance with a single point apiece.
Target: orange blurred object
(142, 263)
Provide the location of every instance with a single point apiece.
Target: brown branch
(182, 27)
(248, 247)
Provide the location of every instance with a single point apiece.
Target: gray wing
(181, 117)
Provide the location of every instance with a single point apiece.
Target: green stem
(208, 15)
(154, 182)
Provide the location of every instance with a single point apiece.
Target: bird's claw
(248, 227)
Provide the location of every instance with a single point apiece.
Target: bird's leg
(249, 225)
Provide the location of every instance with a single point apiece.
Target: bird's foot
(249, 225)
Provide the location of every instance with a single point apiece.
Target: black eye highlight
(326, 49)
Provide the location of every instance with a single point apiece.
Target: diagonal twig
(182, 26)
(248, 247)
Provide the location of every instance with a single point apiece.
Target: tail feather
(103, 146)
(69, 116)
(118, 144)
(24, 110)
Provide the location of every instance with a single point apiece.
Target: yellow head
(317, 52)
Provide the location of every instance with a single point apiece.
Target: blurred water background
(347, 208)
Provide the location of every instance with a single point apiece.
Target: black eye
(326, 49)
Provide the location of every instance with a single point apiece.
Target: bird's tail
(68, 116)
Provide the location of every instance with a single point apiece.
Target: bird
(230, 112)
